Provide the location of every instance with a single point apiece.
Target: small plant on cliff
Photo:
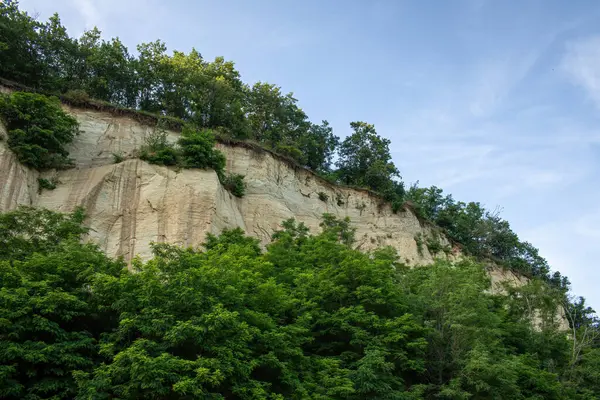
(38, 129)
(234, 183)
(323, 196)
(419, 240)
(434, 245)
(157, 150)
(118, 157)
(49, 184)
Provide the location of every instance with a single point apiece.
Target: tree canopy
(307, 318)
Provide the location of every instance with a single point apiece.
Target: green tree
(317, 147)
(365, 160)
(38, 129)
(27, 230)
(19, 56)
(49, 321)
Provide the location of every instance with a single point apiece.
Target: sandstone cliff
(132, 203)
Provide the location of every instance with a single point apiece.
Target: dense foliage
(38, 129)
(209, 96)
(310, 318)
(481, 233)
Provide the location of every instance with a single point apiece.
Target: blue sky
(494, 101)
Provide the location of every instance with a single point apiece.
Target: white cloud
(581, 62)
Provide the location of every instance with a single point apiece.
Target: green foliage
(50, 323)
(196, 150)
(118, 157)
(309, 318)
(157, 149)
(234, 183)
(26, 231)
(434, 244)
(419, 241)
(49, 184)
(77, 97)
(323, 196)
(365, 160)
(38, 129)
(481, 233)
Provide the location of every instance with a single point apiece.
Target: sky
(493, 101)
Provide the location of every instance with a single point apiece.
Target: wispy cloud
(581, 62)
(495, 78)
(89, 12)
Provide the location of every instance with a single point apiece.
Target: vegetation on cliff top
(309, 318)
(38, 129)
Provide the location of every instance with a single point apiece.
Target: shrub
(118, 157)
(434, 245)
(49, 184)
(234, 183)
(289, 151)
(38, 129)
(197, 150)
(77, 97)
(157, 150)
(419, 240)
(397, 206)
(323, 196)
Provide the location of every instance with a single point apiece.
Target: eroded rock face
(133, 203)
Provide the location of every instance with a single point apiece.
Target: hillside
(168, 231)
(132, 203)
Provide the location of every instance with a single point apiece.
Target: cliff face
(133, 203)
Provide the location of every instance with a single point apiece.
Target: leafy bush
(51, 321)
(157, 149)
(234, 183)
(397, 205)
(289, 151)
(197, 150)
(77, 97)
(434, 245)
(323, 196)
(49, 184)
(419, 241)
(38, 129)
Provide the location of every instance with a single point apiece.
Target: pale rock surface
(133, 203)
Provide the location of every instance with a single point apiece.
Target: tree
(365, 160)
(274, 118)
(19, 47)
(50, 323)
(38, 129)
(107, 70)
(27, 230)
(317, 147)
